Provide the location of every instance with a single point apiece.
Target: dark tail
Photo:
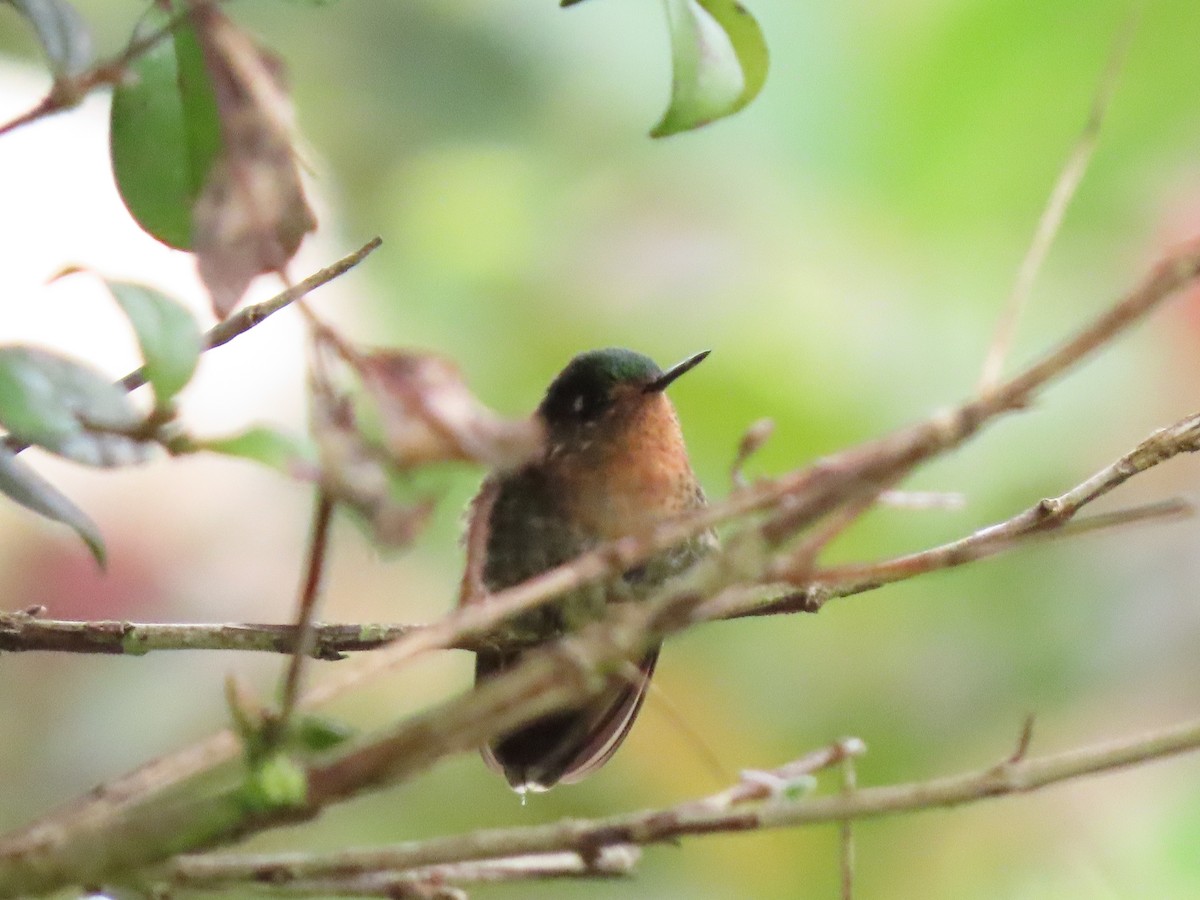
(569, 745)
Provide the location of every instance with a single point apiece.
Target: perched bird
(613, 462)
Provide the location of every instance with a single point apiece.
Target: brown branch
(864, 577)
(698, 817)
(250, 316)
(444, 881)
(247, 318)
(68, 91)
(95, 841)
(318, 548)
(23, 632)
(1053, 516)
(1060, 199)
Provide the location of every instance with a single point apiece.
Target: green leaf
(259, 444)
(22, 484)
(68, 408)
(62, 33)
(164, 133)
(168, 335)
(718, 59)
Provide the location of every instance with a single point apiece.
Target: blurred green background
(844, 247)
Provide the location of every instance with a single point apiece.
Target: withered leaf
(429, 415)
(355, 474)
(252, 214)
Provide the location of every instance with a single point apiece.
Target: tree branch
(713, 815)
(25, 631)
(22, 631)
(103, 836)
(444, 881)
(1049, 516)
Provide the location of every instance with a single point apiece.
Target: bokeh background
(843, 246)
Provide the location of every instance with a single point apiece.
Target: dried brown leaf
(252, 214)
(429, 414)
(355, 473)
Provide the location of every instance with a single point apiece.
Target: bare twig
(1023, 742)
(697, 817)
(846, 838)
(306, 608)
(248, 317)
(980, 545)
(756, 435)
(436, 882)
(1060, 198)
(22, 632)
(69, 90)
(1049, 517)
(1045, 516)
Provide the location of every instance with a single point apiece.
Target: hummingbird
(613, 462)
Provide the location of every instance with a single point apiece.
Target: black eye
(579, 399)
(588, 405)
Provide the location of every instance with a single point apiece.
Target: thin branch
(68, 91)
(248, 317)
(23, 632)
(695, 818)
(846, 836)
(985, 543)
(1045, 516)
(306, 608)
(1048, 517)
(437, 882)
(1060, 199)
(94, 842)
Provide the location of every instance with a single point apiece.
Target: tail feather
(568, 745)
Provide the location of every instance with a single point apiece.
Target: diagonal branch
(68, 91)
(1051, 516)
(250, 316)
(1060, 199)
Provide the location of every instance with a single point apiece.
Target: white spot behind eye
(577, 405)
